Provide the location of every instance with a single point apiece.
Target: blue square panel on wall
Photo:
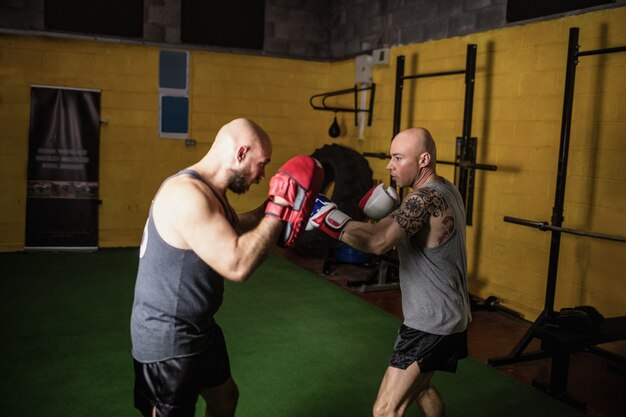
(173, 70)
(174, 115)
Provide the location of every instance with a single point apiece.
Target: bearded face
(250, 172)
(237, 182)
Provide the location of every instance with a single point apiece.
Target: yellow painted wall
(517, 117)
(517, 120)
(273, 92)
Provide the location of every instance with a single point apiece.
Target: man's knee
(429, 392)
(379, 409)
(430, 402)
(383, 408)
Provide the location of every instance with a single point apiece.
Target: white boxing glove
(379, 201)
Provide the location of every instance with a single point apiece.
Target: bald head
(413, 157)
(242, 132)
(417, 141)
(238, 156)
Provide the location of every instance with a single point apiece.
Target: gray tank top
(434, 280)
(176, 296)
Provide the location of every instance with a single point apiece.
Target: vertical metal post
(371, 112)
(559, 197)
(465, 151)
(356, 105)
(397, 109)
(471, 176)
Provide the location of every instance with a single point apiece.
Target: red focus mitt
(298, 181)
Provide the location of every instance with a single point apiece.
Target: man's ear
(424, 160)
(241, 153)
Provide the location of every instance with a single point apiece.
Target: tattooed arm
(426, 215)
(413, 216)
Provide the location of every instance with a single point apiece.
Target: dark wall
(321, 29)
(362, 25)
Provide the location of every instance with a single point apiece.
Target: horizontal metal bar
(334, 93)
(543, 226)
(467, 165)
(342, 109)
(60, 87)
(340, 92)
(353, 90)
(379, 155)
(60, 248)
(470, 165)
(434, 74)
(524, 357)
(602, 51)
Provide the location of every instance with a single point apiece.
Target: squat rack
(557, 342)
(465, 153)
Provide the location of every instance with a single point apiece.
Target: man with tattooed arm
(428, 230)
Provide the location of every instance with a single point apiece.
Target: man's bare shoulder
(183, 190)
(412, 213)
(418, 207)
(183, 199)
(433, 200)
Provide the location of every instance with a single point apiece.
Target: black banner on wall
(63, 169)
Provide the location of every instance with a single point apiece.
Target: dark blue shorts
(173, 385)
(431, 352)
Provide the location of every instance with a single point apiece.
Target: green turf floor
(299, 346)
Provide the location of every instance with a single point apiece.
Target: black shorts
(173, 385)
(431, 352)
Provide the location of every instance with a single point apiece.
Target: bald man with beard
(192, 241)
(428, 230)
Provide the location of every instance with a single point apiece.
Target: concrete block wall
(363, 25)
(22, 14)
(161, 21)
(322, 29)
(161, 18)
(297, 28)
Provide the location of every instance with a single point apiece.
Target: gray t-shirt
(433, 281)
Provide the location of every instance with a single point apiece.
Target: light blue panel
(173, 70)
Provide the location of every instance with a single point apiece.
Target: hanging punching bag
(334, 130)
